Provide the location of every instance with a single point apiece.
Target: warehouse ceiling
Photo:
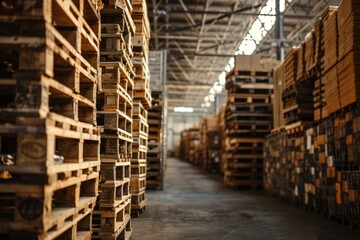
(200, 36)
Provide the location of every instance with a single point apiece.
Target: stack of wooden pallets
(248, 117)
(191, 145)
(348, 65)
(290, 68)
(211, 145)
(140, 42)
(138, 161)
(155, 154)
(320, 168)
(203, 142)
(325, 95)
(310, 54)
(49, 143)
(115, 112)
(278, 79)
(297, 93)
(330, 39)
(223, 139)
(194, 145)
(275, 163)
(184, 153)
(316, 166)
(301, 63)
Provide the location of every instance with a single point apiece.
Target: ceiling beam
(194, 37)
(289, 15)
(188, 15)
(192, 86)
(155, 24)
(180, 67)
(203, 20)
(205, 54)
(178, 92)
(197, 69)
(184, 54)
(172, 73)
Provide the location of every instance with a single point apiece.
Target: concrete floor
(197, 206)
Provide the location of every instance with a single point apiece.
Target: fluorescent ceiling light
(228, 68)
(183, 109)
(222, 78)
(217, 87)
(231, 62)
(212, 98)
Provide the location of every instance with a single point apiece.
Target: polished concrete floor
(195, 205)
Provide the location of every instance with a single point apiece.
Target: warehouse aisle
(197, 206)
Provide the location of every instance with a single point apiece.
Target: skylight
(258, 30)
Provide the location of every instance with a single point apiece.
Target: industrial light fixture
(183, 109)
(222, 78)
(212, 98)
(217, 87)
(228, 68)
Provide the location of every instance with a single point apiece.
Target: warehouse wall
(177, 122)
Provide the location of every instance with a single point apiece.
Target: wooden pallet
(144, 95)
(123, 233)
(137, 184)
(114, 219)
(85, 28)
(48, 210)
(117, 99)
(114, 193)
(72, 95)
(54, 136)
(113, 10)
(138, 200)
(139, 151)
(111, 172)
(139, 111)
(249, 73)
(115, 75)
(116, 147)
(244, 184)
(115, 42)
(140, 129)
(141, 19)
(138, 167)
